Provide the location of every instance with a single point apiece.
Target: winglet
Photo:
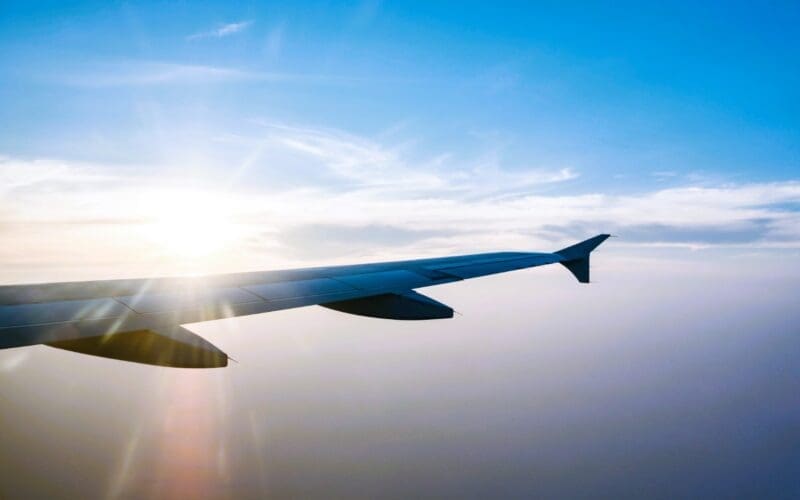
(576, 257)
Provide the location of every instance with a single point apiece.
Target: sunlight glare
(191, 224)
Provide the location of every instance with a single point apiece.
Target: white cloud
(222, 30)
(303, 177)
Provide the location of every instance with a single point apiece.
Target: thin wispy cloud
(133, 73)
(365, 12)
(368, 164)
(144, 73)
(274, 41)
(221, 31)
(20, 175)
(156, 73)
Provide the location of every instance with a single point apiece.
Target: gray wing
(139, 320)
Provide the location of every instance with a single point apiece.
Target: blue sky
(488, 125)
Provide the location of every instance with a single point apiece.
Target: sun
(190, 224)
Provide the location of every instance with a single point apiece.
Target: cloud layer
(299, 193)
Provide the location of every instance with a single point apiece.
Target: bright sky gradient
(158, 138)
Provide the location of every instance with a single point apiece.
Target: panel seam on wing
(258, 297)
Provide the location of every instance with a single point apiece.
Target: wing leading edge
(139, 320)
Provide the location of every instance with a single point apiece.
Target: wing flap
(405, 306)
(176, 347)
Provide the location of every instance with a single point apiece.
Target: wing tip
(576, 257)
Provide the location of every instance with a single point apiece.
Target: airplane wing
(140, 319)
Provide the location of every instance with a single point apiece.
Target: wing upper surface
(55, 313)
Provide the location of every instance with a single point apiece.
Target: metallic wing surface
(140, 319)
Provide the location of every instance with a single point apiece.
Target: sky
(296, 133)
(164, 138)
